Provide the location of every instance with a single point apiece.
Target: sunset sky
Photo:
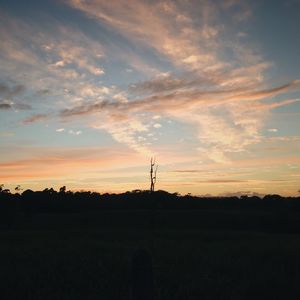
(91, 89)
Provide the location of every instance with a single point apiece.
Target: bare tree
(153, 171)
(62, 189)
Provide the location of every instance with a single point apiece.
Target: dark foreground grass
(66, 257)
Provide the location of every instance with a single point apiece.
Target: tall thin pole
(152, 174)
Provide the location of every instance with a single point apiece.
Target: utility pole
(152, 174)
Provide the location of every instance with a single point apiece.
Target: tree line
(63, 200)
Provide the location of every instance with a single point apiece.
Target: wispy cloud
(272, 129)
(35, 118)
(213, 82)
(76, 132)
(9, 105)
(5, 106)
(62, 61)
(167, 27)
(209, 82)
(223, 181)
(11, 96)
(230, 132)
(8, 91)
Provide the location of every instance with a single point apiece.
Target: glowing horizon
(90, 90)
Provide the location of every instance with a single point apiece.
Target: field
(196, 254)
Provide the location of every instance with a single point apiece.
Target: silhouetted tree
(273, 197)
(152, 174)
(62, 189)
(49, 191)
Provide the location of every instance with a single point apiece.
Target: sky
(90, 90)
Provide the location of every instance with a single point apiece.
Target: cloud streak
(209, 82)
(207, 79)
(35, 118)
(241, 124)
(5, 106)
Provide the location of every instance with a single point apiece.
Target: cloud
(268, 106)
(126, 130)
(5, 106)
(14, 106)
(22, 106)
(191, 35)
(57, 59)
(156, 25)
(232, 131)
(77, 132)
(157, 125)
(285, 138)
(35, 118)
(222, 181)
(4, 89)
(9, 91)
(185, 99)
(189, 171)
(70, 54)
(223, 97)
(166, 83)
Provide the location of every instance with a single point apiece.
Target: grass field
(195, 254)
